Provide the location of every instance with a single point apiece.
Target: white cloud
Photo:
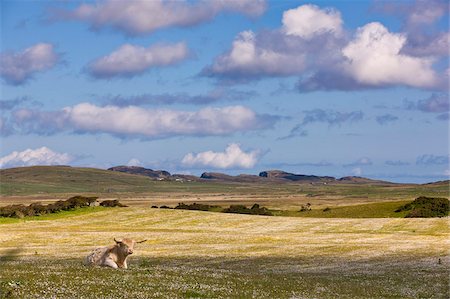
(18, 67)
(313, 45)
(130, 60)
(143, 17)
(357, 171)
(39, 156)
(134, 121)
(233, 157)
(134, 162)
(249, 59)
(309, 20)
(374, 58)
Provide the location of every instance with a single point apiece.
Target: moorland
(349, 242)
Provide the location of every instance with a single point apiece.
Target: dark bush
(426, 207)
(164, 207)
(195, 206)
(154, 207)
(254, 210)
(37, 209)
(112, 203)
(327, 209)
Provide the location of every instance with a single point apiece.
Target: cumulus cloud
(432, 160)
(39, 156)
(386, 118)
(134, 162)
(132, 121)
(414, 14)
(418, 20)
(424, 12)
(309, 20)
(130, 60)
(247, 59)
(312, 44)
(374, 58)
(136, 17)
(232, 157)
(18, 67)
(435, 45)
(357, 171)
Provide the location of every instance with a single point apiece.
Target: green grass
(370, 210)
(195, 254)
(55, 216)
(59, 180)
(226, 278)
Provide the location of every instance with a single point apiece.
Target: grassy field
(30, 184)
(358, 248)
(194, 254)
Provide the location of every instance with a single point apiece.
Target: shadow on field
(10, 255)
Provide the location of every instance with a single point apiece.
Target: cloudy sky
(321, 87)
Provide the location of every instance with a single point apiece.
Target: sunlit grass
(211, 255)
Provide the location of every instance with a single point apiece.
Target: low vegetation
(191, 254)
(426, 207)
(112, 203)
(38, 209)
(196, 207)
(254, 210)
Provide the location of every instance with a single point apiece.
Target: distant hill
(264, 176)
(62, 180)
(279, 174)
(243, 178)
(361, 180)
(161, 174)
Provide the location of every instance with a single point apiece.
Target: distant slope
(279, 174)
(65, 179)
(242, 178)
(159, 174)
(361, 180)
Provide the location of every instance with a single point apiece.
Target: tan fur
(114, 256)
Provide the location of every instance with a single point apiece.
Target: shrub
(425, 207)
(327, 209)
(254, 210)
(112, 203)
(37, 209)
(195, 207)
(164, 207)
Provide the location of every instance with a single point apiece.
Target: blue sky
(315, 87)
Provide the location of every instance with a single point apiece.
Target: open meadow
(210, 255)
(359, 248)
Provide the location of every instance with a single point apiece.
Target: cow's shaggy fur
(114, 256)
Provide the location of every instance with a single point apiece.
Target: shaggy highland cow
(114, 256)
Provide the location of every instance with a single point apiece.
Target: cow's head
(126, 246)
